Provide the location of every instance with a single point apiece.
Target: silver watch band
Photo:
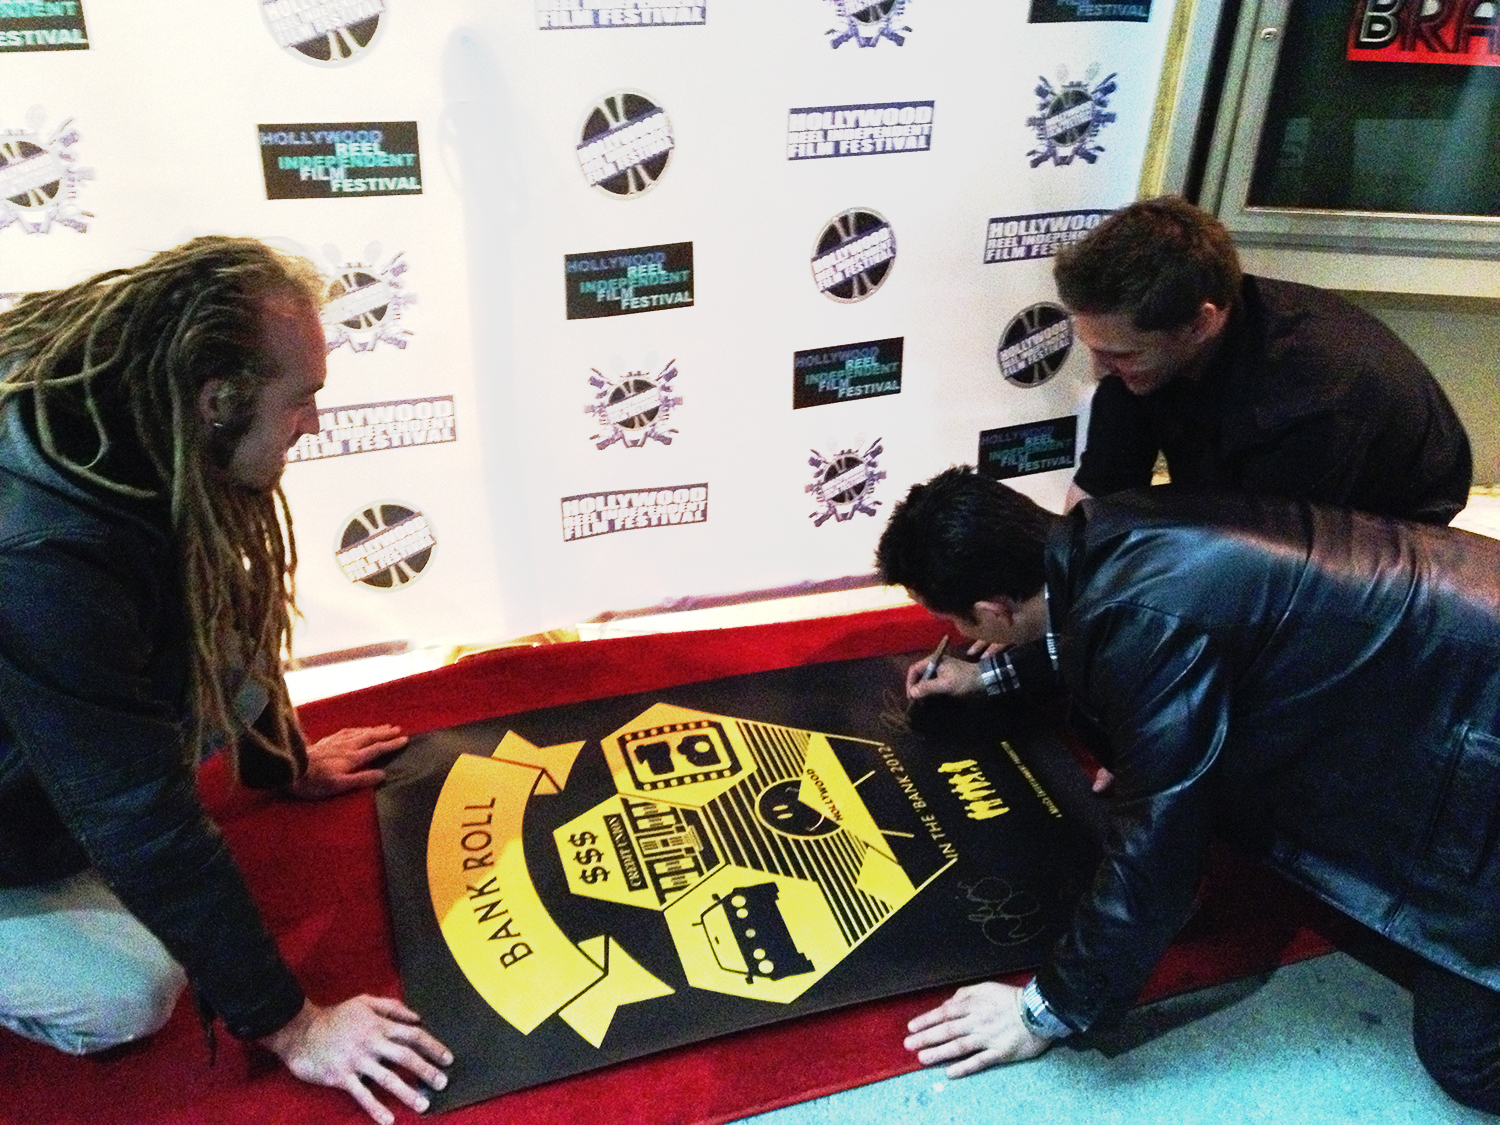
(1038, 1018)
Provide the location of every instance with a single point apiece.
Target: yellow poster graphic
(498, 929)
(576, 886)
(750, 839)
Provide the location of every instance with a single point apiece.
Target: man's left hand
(340, 762)
(980, 1026)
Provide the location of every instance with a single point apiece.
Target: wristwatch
(1038, 1018)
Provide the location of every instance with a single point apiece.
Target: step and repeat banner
(625, 300)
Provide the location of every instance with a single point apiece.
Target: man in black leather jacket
(145, 597)
(1319, 685)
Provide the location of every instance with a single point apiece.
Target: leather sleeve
(1158, 688)
(111, 757)
(1121, 448)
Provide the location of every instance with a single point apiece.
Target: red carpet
(315, 870)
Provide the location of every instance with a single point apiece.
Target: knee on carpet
(1455, 1029)
(134, 1001)
(1468, 1077)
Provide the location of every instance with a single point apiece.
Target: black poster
(845, 372)
(343, 160)
(586, 884)
(1032, 447)
(42, 25)
(1088, 11)
(618, 282)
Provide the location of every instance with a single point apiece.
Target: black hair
(1157, 260)
(962, 538)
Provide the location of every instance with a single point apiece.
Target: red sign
(1453, 31)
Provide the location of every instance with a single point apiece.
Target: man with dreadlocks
(146, 564)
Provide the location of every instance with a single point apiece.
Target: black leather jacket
(1321, 685)
(95, 762)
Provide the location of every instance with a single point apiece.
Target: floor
(1324, 1042)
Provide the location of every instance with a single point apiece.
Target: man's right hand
(361, 1040)
(980, 1027)
(954, 677)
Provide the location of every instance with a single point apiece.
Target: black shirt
(1307, 396)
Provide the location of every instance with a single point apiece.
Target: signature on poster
(1004, 915)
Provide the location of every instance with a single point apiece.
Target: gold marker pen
(935, 659)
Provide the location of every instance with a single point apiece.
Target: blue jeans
(77, 971)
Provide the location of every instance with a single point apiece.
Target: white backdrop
(153, 135)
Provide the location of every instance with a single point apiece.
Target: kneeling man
(1321, 685)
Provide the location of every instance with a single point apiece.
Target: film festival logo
(363, 303)
(42, 25)
(324, 32)
(868, 23)
(342, 159)
(634, 408)
(1069, 117)
(1022, 238)
(620, 282)
(845, 483)
(853, 255)
(608, 513)
(624, 144)
(385, 546)
(345, 430)
(552, 15)
(858, 130)
(1088, 11)
(846, 372)
(39, 176)
(1035, 344)
(1032, 447)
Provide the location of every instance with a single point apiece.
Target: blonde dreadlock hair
(114, 367)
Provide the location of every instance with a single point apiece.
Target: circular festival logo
(1035, 344)
(633, 408)
(363, 303)
(853, 255)
(624, 144)
(385, 545)
(324, 32)
(1069, 117)
(868, 21)
(38, 177)
(844, 483)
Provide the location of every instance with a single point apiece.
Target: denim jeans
(77, 971)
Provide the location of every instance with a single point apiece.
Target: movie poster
(590, 883)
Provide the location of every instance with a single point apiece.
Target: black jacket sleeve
(84, 713)
(1159, 690)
